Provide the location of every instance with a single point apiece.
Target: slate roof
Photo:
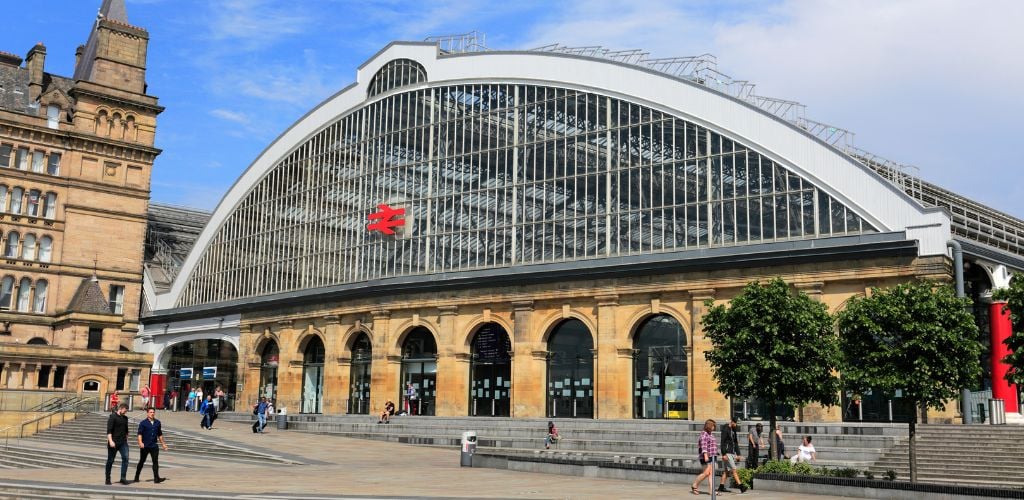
(14, 88)
(89, 298)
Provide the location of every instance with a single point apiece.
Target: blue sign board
(209, 372)
(185, 373)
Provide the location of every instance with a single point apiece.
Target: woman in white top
(805, 453)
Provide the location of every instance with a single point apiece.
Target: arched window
(3, 197)
(33, 203)
(50, 205)
(419, 372)
(268, 370)
(101, 122)
(91, 386)
(659, 369)
(490, 372)
(17, 194)
(11, 249)
(395, 74)
(6, 291)
(313, 376)
(45, 249)
(28, 247)
(37, 341)
(571, 371)
(39, 301)
(24, 294)
(359, 375)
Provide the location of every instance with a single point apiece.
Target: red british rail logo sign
(386, 219)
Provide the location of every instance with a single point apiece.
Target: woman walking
(708, 450)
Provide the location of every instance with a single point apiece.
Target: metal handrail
(75, 406)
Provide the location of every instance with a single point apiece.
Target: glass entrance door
(313, 377)
(359, 391)
(419, 380)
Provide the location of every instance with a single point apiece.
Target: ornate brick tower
(76, 156)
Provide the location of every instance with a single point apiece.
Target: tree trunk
(913, 455)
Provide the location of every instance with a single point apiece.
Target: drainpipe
(958, 277)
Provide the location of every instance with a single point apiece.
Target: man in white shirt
(805, 453)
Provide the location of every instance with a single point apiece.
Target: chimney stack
(34, 63)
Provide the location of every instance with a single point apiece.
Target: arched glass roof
(500, 175)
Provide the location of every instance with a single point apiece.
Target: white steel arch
(880, 204)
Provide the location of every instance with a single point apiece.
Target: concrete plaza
(336, 466)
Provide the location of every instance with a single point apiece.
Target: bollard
(468, 448)
(282, 419)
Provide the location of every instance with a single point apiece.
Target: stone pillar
(34, 375)
(387, 363)
(705, 400)
(335, 377)
(4, 368)
(528, 365)
(1000, 329)
(14, 376)
(452, 368)
(248, 368)
(52, 378)
(611, 369)
(289, 369)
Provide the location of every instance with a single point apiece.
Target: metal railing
(78, 406)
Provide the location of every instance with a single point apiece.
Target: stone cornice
(702, 294)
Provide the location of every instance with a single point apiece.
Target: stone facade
(77, 154)
(611, 309)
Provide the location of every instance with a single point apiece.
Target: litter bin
(282, 419)
(468, 448)
(996, 411)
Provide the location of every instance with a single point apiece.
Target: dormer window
(52, 116)
(395, 74)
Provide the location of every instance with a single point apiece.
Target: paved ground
(339, 466)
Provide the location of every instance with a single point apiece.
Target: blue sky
(930, 83)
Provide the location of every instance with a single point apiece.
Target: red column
(1001, 329)
(157, 386)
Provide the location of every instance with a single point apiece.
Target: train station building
(534, 234)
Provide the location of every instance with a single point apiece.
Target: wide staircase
(89, 430)
(638, 441)
(964, 454)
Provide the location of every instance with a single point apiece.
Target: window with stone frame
(37, 161)
(52, 164)
(117, 299)
(58, 376)
(5, 155)
(95, 338)
(21, 159)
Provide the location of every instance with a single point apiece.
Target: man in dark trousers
(150, 433)
(117, 441)
(730, 447)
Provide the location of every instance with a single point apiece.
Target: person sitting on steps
(552, 436)
(385, 416)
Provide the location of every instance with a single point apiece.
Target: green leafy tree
(1014, 297)
(774, 344)
(915, 337)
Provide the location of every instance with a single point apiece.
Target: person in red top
(707, 447)
(114, 399)
(145, 397)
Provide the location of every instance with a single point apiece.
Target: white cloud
(231, 116)
(926, 82)
(253, 24)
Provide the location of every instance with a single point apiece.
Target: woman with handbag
(707, 450)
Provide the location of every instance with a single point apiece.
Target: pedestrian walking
(151, 434)
(707, 450)
(755, 442)
(209, 412)
(199, 399)
(114, 400)
(260, 410)
(190, 403)
(145, 397)
(221, 397)
(730, 448)
(117, 441)
(411, 398)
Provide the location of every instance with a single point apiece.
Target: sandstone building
(76, 155)
(535, 233)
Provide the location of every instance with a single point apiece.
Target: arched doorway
(205, 364)
(659, 369)
(419, 368)
(313, 376)
(359, 375)
(490, 372)
(268, 370)
(571, 371)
